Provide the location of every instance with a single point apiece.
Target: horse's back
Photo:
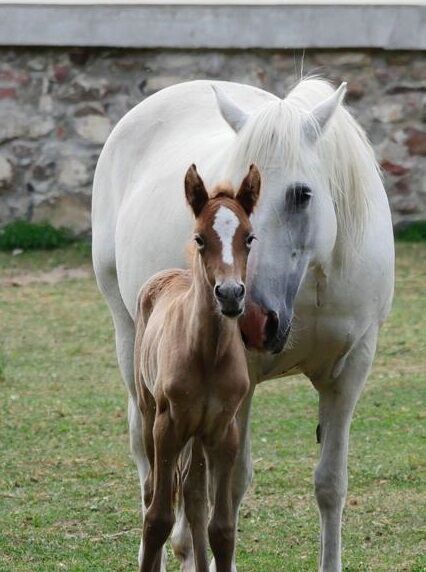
(160, 132)
(138, 184)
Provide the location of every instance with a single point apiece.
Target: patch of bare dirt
(58, 274)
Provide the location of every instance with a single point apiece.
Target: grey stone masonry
(58, 105)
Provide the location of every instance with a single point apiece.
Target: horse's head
(296, 220)
(223, 235)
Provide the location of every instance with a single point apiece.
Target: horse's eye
(249, 240)
(199, 241)
(298, 196)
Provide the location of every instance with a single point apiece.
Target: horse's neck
(209, 332)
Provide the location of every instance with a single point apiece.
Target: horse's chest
(317, 343)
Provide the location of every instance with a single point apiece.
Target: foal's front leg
(159, 518)
(222, 526)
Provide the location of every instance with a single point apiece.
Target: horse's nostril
(271, 326)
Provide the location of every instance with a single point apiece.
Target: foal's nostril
(219, 293)
(229, 291)
(240, 291)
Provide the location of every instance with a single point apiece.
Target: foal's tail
(182, 468)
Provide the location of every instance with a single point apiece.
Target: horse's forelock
(274, 138)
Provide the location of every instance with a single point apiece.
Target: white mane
(346, 157)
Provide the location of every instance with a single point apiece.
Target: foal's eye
(199, 241)
(249, 240)
(298, 196)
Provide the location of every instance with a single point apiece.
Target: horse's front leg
(337, 400)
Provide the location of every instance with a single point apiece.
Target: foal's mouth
(232, 313)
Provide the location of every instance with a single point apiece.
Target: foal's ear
(250, 189)
(195, 191)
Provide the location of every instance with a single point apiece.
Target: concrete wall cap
(215, 24)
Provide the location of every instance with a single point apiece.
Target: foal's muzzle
(230, 296)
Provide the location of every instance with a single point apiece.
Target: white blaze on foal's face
(225, 225)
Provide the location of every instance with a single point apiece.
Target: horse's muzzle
(263, 330)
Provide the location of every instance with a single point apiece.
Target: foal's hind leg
(159, 518)
(196, 504)
(337, 401)
(181, 538)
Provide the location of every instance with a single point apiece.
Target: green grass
(68, 488)
(77, 254)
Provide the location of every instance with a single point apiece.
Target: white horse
(320, 276)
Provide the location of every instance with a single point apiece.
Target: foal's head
(223, 235)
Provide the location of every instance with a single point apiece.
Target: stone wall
(57, 107)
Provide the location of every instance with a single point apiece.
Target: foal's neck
(210, 331)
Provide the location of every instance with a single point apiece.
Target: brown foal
(191, 375)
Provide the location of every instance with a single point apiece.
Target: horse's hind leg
(125, 340)
(337, 400)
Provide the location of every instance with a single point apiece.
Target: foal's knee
(157, 527)
(221, 536)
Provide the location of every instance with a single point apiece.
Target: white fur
(275, 136)
(225, 224)
(141, 225)
(233, 115)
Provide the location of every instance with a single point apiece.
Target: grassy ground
(68, 489)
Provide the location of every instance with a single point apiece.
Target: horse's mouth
(277, 345)
(260, 330)
(252, 326)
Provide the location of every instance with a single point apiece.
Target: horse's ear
(195, 191)
(322, 113)
(249, 191)
(232, 114)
